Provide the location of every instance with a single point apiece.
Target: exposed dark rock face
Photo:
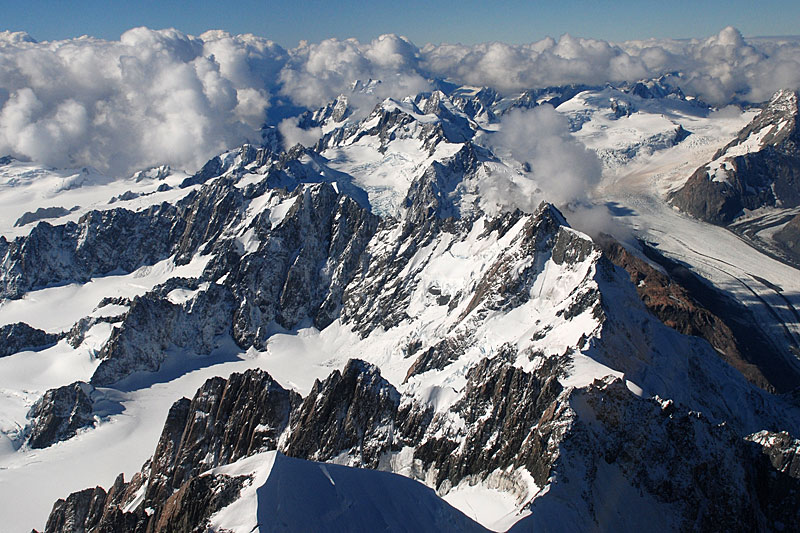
(430, 209)
(121, 240)
(99, 243)
(434, 194)
(237, 160)
(455, 128)
(707, 488)
(767, 176)
(501, 408)
(60, 413)
(390, 120)
(350, 412)
(335, 111)
(153, 323)
(708, 478)
(755, 346)
(300, 272)
(355, 413)
(779, 477)
(711, 201)
(673, 304)
(437, 356)
(366, 302)
(20, 336)
(39, 214)
(510, 418)
(782, 450)
(505, 286)
(188, 509)
(225, 421)
(204, 214)
(478, 104)
(185, 511)
(302, 266)
(307, 255)
(81, 511)
(789, 237)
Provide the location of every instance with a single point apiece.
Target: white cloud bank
(164, 97)
(556, 167)
(152, 97)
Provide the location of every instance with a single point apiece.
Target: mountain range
(570, 308)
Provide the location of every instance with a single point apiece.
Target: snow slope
(288, 494)
(26, 187)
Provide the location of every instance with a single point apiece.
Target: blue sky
(464, 21)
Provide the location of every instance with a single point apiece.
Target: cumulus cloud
(293, 134)
(317, 73)
(717, 69)
(151, 97)
(157, 97)
(553, 165)
(541, 64)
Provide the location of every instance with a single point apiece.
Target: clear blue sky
(464, 21)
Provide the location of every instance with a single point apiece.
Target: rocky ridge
(569, 439)
(491, 329)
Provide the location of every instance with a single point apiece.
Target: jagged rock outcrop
(300, 272)
(99, 243)
(301, 267)
(498, 415)
(352, 412)
(476, 102)
(574, 440)
(438, 356)
(20, 336)
(226, 420)
(783, 451)
(392, 119)
(60, 413)
(507, 283)
(81, 511)
(434, 194)
(497, 323)
(187, 510)
(153, 324)
(123, 240)
(709, 478)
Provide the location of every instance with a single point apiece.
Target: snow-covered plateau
(460, 310)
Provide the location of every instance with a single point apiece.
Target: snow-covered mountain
(752, 182)
(401, 297)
